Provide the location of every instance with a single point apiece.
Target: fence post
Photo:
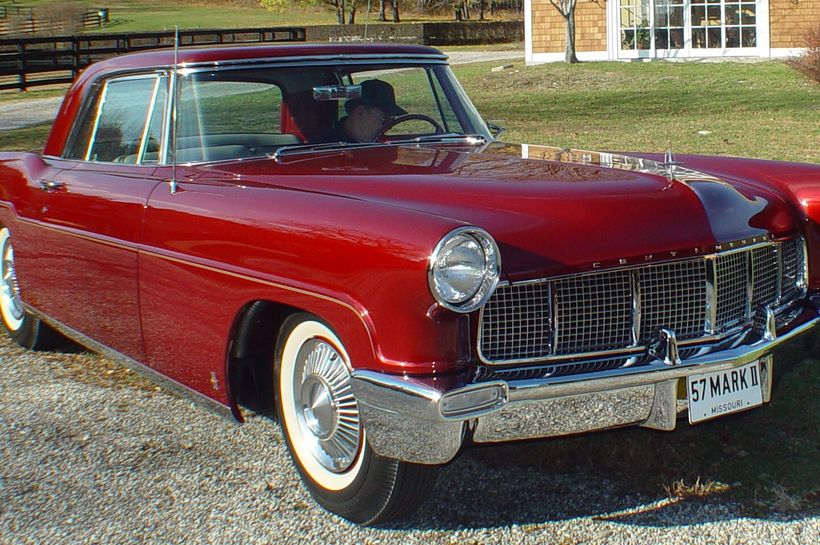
(21, 63)
(75, 56)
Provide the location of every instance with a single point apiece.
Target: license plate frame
(718, 393)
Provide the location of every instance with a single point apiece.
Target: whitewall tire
(326, 438)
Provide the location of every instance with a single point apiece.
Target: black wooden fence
(18, 21)
(31, 62)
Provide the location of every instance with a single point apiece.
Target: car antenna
(366, 19)
(174, 97)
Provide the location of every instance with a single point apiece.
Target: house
(684, 29)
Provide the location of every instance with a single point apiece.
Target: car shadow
(761, 464)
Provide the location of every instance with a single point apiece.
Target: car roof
(228, 53)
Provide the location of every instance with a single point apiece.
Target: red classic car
(212, 219)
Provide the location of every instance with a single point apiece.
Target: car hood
(551, 210)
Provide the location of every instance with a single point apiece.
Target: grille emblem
(665, 348)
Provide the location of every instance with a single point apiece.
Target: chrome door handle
(51, 185)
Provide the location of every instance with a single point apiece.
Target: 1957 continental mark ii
(336, 231)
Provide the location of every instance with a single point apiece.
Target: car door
(91, 214)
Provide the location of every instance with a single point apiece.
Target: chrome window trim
(147, 125)
(106, 83)
(318, 60)
(97, 115)
(710, 334)
(169, 132)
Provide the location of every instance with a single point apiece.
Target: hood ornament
(669, 164)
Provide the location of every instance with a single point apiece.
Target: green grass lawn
(149, 15)
(764, 110)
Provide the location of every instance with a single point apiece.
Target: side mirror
(337, 92)
(495, 129)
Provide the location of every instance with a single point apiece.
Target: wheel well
(250, 360)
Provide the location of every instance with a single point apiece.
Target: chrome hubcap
(318, 412)
(9, 289)
(325, 407)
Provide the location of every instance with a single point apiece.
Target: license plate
(723, 392)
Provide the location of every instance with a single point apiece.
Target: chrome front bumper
(411, 420)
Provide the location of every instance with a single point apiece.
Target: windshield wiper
(446, 138)
(337, 147)
(325, 147)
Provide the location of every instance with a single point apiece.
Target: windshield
(234, 113)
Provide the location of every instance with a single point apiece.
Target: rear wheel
(22, 327)
(325, 436)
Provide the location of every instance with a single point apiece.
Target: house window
(635, 28)
(669, 24)
(684, 24)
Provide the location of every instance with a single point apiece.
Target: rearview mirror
(337, 92)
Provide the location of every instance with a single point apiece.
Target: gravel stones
(92, 454)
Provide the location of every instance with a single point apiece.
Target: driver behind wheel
(367, 114)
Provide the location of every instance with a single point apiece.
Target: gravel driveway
(93, 454)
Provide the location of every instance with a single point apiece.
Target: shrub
(59, 18)
(809, 62)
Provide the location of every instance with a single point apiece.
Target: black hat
(376, 92)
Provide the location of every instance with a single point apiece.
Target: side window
(219, 119)
(210, 107)
(123, 123)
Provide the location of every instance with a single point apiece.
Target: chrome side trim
(155, 377)
(204, 264)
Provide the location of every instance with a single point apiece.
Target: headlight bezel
(491, 270)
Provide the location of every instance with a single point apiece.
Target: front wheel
(22, 327)
(327, 441)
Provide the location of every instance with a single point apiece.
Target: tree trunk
(340, 12)
(395, 4)
(570, 52)
(382, 8)
(351, 19)
(481, 4)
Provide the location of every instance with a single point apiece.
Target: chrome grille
(793, 269)
(622, 309)
(517, 322)
(673, 296)
(592, 311)
(765, 276)
(732, 287)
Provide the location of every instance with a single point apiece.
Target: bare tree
(382, 9)
(395, 4)
(567, 10)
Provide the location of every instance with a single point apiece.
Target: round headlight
(464, 268)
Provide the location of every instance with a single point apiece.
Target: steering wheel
(408, 117)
